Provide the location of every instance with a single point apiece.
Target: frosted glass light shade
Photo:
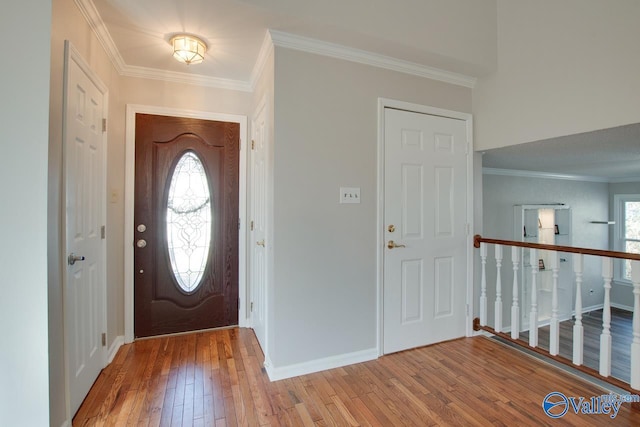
(188, 49)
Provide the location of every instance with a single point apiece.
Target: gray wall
(588, 201)
(326, 121)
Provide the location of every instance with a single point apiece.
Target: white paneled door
(84, 298)
(257, 228)
(425, 220)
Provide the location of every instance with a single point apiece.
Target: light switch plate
(349, 194)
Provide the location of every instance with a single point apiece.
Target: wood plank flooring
(621, 336)
(216, 379)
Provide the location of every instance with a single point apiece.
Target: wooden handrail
(477, 239)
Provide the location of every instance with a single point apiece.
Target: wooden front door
(186, 224)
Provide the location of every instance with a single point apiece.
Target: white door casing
(84, 145)
(425, 213)
(257, 227)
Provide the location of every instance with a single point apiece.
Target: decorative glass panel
(189, 221)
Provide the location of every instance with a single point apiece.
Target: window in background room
(627, 214)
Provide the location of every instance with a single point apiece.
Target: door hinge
(103, 232)
(251, 225)
(251, 306)
(253, 144)
(104, 339)
(239, 222)
(104, 125)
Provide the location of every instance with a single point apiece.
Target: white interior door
(85, 249)
(257, 227)
(425, 220)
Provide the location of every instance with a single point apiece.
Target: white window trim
(618, 201)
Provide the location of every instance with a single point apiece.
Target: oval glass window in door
(189, 221)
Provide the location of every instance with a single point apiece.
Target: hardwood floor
(216, 379)
(621, 336)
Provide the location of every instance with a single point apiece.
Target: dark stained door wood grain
(161, 305)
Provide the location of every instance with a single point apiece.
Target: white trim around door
(130, 143)
(380, 235)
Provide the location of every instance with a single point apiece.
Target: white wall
(24, 118)
(589, 201)
(564, 67)
(324, 290)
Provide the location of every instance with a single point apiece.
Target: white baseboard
(317, 365)
(66, 424)
(115, 346)
(592, 308)
(622, 307)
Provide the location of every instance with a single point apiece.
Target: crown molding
(623, 180)
(93, 18)
(272, 38)
(546, 175)
(261, 61)
(193, 79)
(333, 50)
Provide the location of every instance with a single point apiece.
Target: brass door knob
(393, 244)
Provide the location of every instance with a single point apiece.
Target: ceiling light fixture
(188, 49)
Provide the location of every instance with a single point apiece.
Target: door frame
(423, 109)
(129, 194)
(72, 54)
(262, 108)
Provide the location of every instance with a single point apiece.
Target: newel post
(498, 303)
(483, 285)
(605, 337)
(635, 344)
(515, 307)
(533, 316)
(554, 330)
(578, 330)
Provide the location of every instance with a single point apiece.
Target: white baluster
(635, 344)
(533, 316)
(554, 330)
(515, 308)
(498, 304)
(605, 337)
(578, 330)
(483, 284)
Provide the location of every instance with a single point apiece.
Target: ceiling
(610, 154)
(136, 33)
(450, 40)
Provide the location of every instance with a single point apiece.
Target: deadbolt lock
(391, 228)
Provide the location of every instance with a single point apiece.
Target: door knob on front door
(393, 244)
(141, 243)
(260, 243)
